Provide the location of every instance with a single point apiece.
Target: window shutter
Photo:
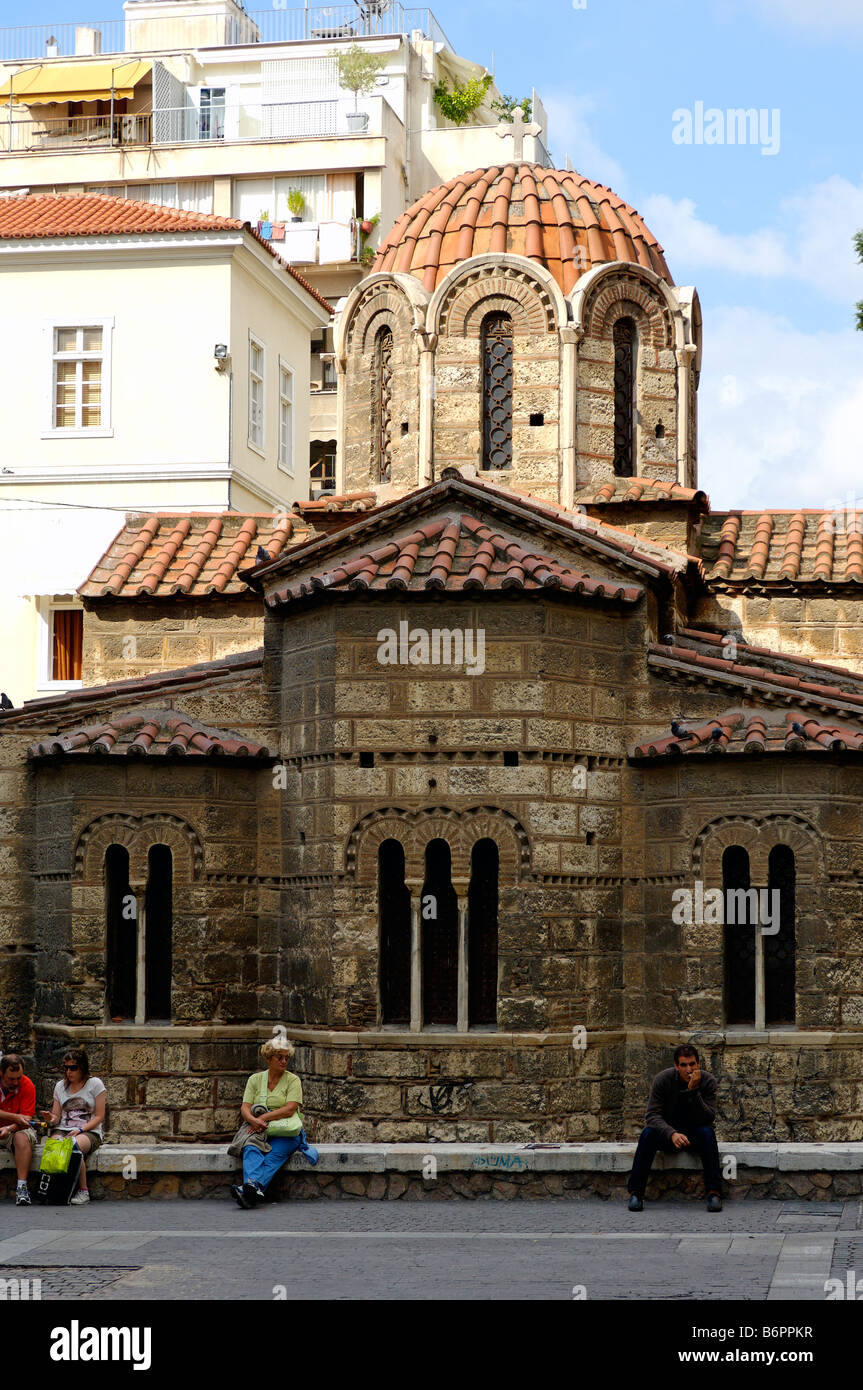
(299, 97)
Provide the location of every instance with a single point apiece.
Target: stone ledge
(500, 1159)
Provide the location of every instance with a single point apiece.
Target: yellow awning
(75, 82)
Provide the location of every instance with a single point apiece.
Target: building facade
(462, 819)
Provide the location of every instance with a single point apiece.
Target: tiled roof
(783, 547)
(38, 215)
(170, 555)
(150, 733)
(752, 731)
(337, 502)
(454, 553)
(228, 670)
(693, 656)
(640, 490)
(548, 215)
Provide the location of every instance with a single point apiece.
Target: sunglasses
(72, 1067)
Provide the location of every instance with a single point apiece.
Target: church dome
(554, 216)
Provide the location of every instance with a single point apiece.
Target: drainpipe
(230, 432)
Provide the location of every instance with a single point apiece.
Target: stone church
(424, 770)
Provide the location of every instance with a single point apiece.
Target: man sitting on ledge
(680, 1115)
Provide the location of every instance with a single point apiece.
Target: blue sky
(765, 238)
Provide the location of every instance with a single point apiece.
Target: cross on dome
(516, 128)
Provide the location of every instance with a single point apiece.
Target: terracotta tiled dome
(545, 214)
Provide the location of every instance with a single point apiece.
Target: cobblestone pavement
(456, 1250)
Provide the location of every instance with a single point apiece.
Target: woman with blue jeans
(280, 1092)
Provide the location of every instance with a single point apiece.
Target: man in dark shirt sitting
(680, 1115)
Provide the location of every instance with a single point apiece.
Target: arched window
(383, 406)
(779, 947)
(394, 907)
(158, 919)
(439, 936)
(739, 937)
(482, 934)
(121, 920)
(497, 391)
(624, 397)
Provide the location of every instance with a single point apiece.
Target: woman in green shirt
(280, 1092)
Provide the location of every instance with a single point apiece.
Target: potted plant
(296, 205)
(265, 226)
(367, 226)
(357, 72)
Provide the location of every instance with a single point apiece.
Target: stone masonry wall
(124, 640)
(825, 624)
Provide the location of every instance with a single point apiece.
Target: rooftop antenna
(373, 12)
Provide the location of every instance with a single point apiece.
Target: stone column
(462, 1009)
(685, 361)
(570, 337)
(341, 422)
(139, 890)
(427, 342)
(416, 967)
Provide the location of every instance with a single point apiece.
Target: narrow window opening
(624, 398)
(439, 928)
(590, 837)
(367, 759)
(779, 948)
(122, 935)
(405, 427)
(482, 949)
(660, 430)
(739, 937)
(394, 909)
(384, 384)
(537, 418)
(510, 759)
(159, 932)
(497, 391)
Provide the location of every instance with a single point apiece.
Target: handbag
(56, 1155)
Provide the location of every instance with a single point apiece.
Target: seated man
(17, 1111)
(680, 1114)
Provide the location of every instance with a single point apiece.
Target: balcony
(191, 125)
(154, 35)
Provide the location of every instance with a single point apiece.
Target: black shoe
(714, 1202)
(635, 1203)
(239, 1193)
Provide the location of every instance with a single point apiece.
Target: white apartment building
(160, 363)
(205, 106)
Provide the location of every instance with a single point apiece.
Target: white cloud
(780, 413)
(814, 244)
(569, 134)
(827, 18)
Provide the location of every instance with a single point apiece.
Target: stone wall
(824, 623)
(125, 640)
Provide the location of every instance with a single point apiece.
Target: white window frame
(46, 607)
(105, 430)
(259, 448)
(285, 370)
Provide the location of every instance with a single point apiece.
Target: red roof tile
(782, 548)
(627, 490)
(337, 502)
(548, 215)
(227, 670)
(39, 215)
(171, 555)
(150, 733)
(752, 732)
(453, 553)
(775, 675)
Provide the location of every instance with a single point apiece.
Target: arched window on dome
(383, 382)
(497, 391)
(625, 371)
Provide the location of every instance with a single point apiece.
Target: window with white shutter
(256, 393)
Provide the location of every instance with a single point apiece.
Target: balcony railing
(75, 132)
(276, 25)
(288, 120)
